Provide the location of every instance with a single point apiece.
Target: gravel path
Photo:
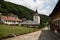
(38, 35)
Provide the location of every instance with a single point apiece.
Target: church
(30, 23)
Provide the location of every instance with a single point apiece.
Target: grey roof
(29, 22)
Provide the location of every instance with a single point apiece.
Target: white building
(36, 17)
(30, 23)
(9, 20)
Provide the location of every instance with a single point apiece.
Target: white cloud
(30, 4)
(43, 6)
(46, 7)
(16, 1)
(46, 12)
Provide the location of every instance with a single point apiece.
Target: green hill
(22, 12)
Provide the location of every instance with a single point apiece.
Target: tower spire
(36, 11)
(36, 17)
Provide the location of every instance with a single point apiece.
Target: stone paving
(44, 34)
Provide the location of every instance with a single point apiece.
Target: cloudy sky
(43, 6)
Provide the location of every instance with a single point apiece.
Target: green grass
(6, 30)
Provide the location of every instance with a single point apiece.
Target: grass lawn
(6, 30)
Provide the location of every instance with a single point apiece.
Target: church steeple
(36, 17)
(36, 11)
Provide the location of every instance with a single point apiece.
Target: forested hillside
(22, 12)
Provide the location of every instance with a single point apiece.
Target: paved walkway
(39, 35)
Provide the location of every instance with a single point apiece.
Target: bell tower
(36, 17)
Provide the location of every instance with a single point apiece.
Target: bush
(41, 25)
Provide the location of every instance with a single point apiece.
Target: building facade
(36, 17)
(9, 20)
(55, 15)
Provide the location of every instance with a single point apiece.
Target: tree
(1, 1)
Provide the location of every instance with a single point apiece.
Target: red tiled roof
(9, 18)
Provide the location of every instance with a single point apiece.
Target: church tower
(36, 17)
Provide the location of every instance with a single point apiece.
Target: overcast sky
(43, 6)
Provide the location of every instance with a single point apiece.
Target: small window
(6, 20)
